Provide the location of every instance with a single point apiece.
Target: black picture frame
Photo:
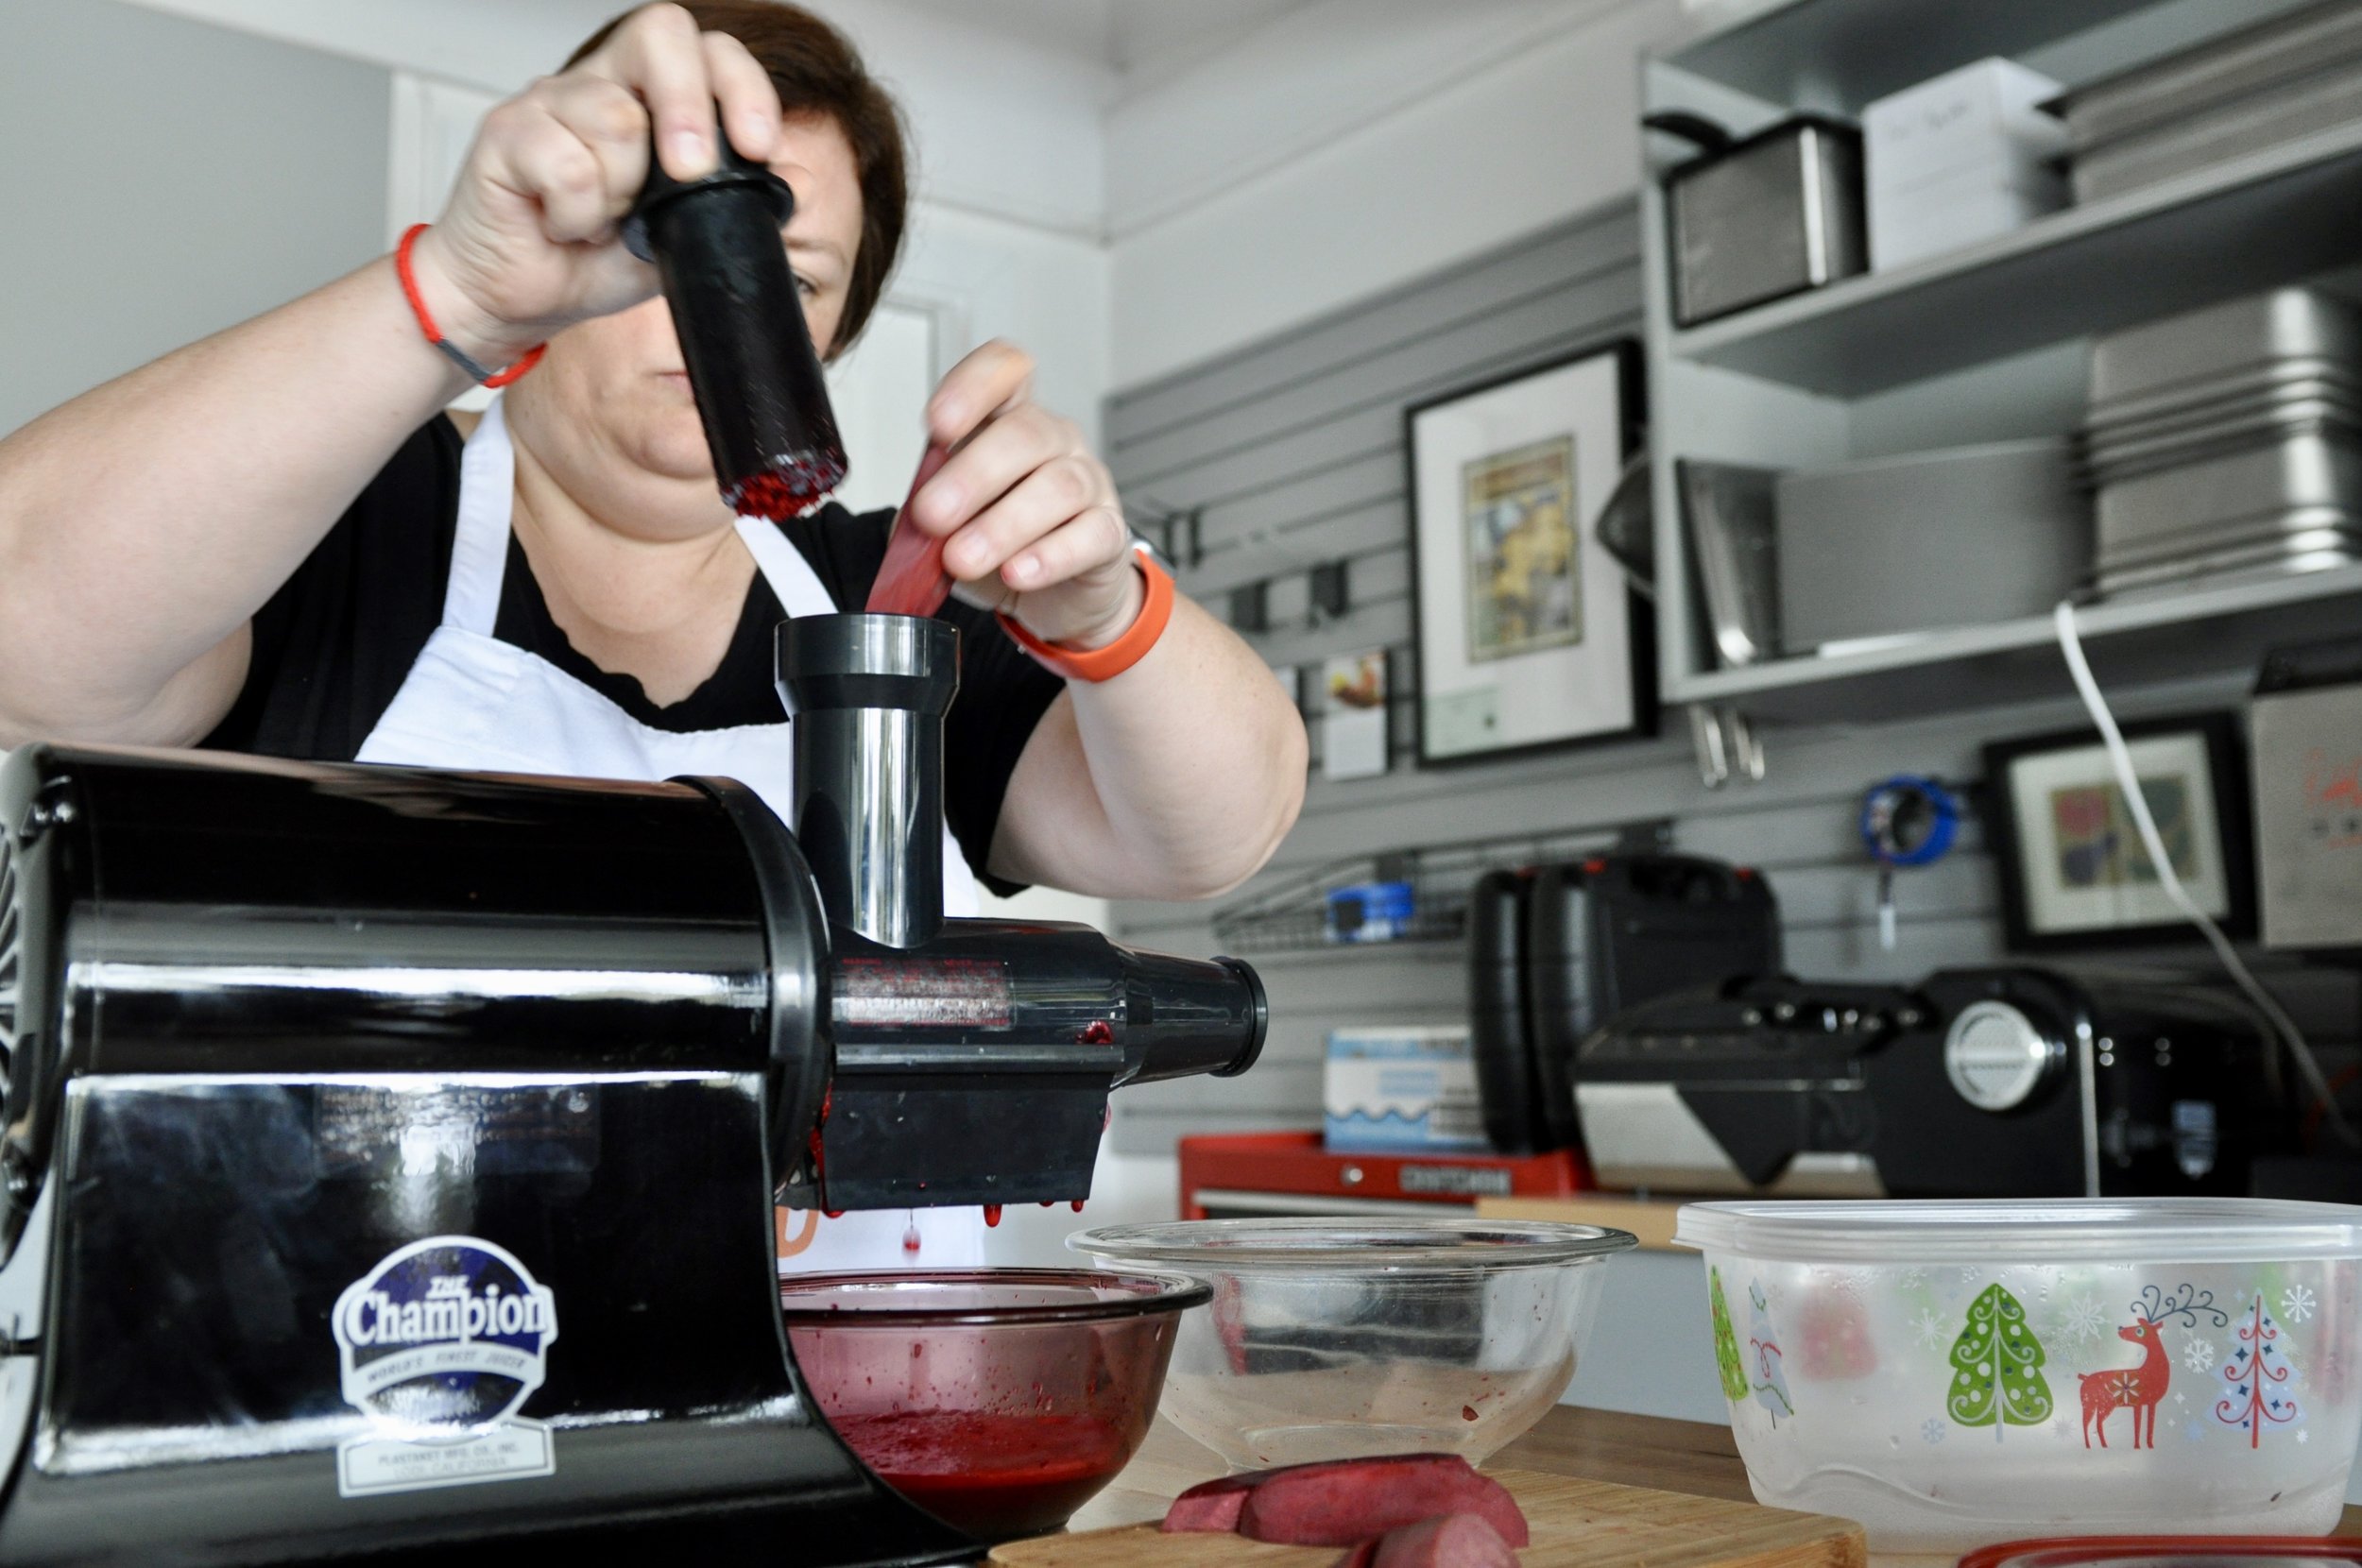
(2029, 915)
(1639, 639)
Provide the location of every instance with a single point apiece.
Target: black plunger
(718, 251)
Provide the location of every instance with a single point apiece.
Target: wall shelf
(1840, 53)
(2160, 637)
(2084, 270)
(1981, 344)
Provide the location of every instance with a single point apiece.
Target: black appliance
(1976, 1082)
(335, 1093)
(1554, 950)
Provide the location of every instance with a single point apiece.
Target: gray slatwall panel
(1294, 450)
(1431, 310)
(1199, 460)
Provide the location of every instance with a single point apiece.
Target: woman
(274, 541)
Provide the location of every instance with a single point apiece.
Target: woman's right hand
(528, 244)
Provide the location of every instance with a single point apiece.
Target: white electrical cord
(2129, 781)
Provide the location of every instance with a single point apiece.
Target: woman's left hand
(1029, 515)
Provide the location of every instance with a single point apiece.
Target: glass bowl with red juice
(999, 1399)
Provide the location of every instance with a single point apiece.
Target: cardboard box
(1391, 1088)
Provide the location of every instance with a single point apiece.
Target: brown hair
(817, 71)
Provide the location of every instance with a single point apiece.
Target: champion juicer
(389, 1155)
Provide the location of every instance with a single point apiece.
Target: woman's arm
(1176, 779)
(143, 523)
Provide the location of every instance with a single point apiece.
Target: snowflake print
(2082, 1318)
(1914, 1278)
(1931, 1330)
(2296, 1304)
(1968, 1273)
(1932, 1430)
(2199, 1355)
(2302, 1434)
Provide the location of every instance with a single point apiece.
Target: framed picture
(2073, 872)
(1353, 715)
(1529, 632)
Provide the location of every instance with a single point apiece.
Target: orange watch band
(1125, 652)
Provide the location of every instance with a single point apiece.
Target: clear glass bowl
(1000, 1399)
(1331, 1340)
(1955, 1373)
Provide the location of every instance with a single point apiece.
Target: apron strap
(793, 583)
(479, 555)
(479, 552)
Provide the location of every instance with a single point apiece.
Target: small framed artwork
(1528, 633)
(2074, 870)
(1353, 716)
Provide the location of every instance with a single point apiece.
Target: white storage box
(1953, 211)
(1393, 1089)
(1987, 116)
(1959, 158)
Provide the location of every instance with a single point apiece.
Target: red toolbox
(1240, 1174)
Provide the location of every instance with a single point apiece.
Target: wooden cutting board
(1576, 1524)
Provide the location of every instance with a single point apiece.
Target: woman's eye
(806, 287)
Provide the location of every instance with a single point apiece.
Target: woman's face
(618, 381)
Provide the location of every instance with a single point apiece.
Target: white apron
(473, 702)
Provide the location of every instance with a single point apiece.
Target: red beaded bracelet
(434, 334)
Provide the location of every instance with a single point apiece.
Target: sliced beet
(1211, 1506)
(1346, 1501)
(1452, 1541)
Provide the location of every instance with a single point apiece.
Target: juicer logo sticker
(441, 1343)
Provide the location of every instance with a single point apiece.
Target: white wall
(1003, 128)
(1006, 237)
(1505, 116)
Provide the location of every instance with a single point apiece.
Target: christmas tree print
(1763, 1350)
(1997, 1367)
(2258, 1372)
(1726, 1360)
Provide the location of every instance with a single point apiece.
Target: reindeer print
(2139, 1388)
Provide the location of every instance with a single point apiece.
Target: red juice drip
(992, 1214)
(787, 488)
(1077, 1206)
(911, 580)
(995, 1475)
(910, 1236)
(832, 1214)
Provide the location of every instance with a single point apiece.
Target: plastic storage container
(1955, 1373)
(1335, 1339)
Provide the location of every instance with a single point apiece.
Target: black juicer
(389, 1154)
(1993, 1083)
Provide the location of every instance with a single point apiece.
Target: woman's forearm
(1175, 779)
(143, 523)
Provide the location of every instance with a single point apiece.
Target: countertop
(1601, 1446)
(1644, 1451)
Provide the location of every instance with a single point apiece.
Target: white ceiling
(1122, 35)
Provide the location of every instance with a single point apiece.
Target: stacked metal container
(2227, 440)
(2248, 91)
